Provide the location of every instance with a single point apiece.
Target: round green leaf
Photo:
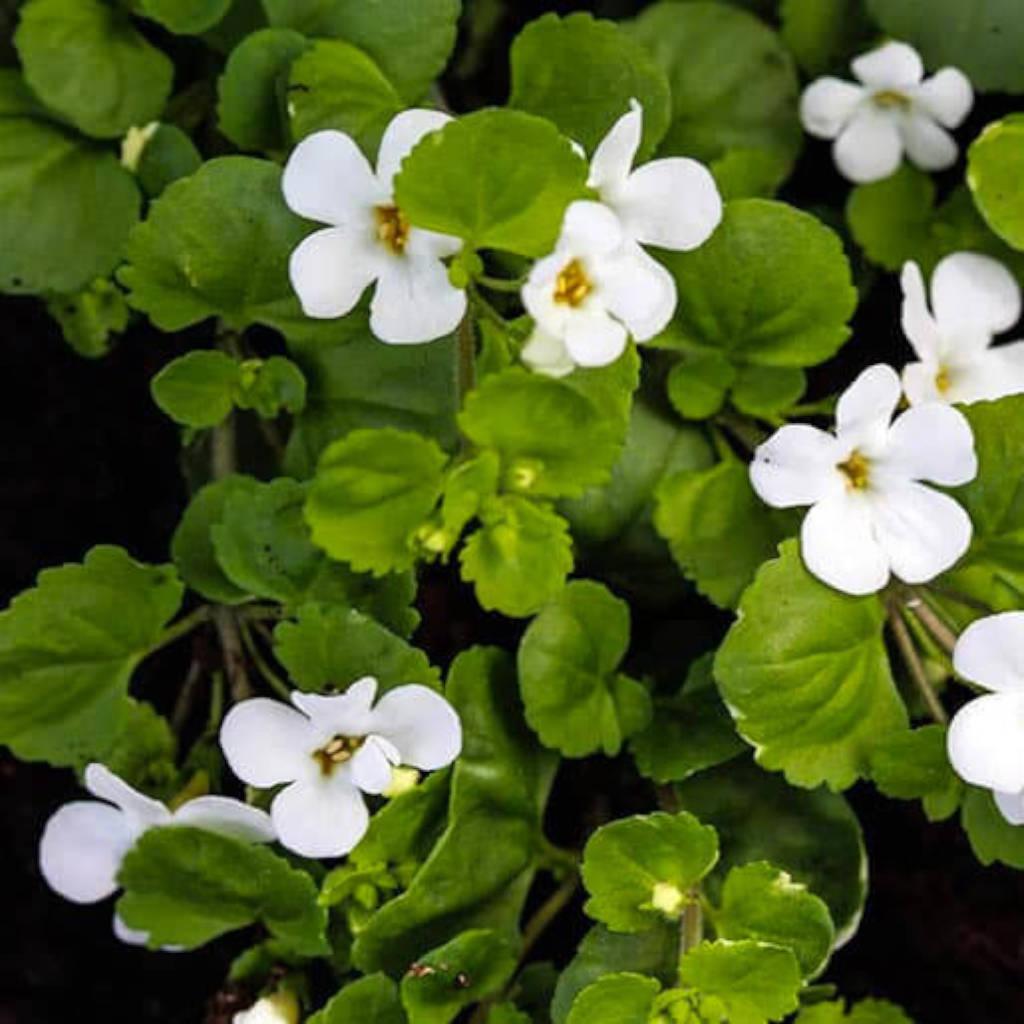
(995, 166)
(698, 383)
(639, 870)
(197, 390)
(84, 59)
(167, 156)
(470, 180)
(914, 764)
(575, 698)
(373, 1000)
(993, 839)
(609, 69)
(746, 292)
(90, 318)
(271, 386)
(821, 34)
(186, 17)
(615, 999)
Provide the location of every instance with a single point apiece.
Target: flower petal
(330, 270)
(81, 850)
(141, 811)
(947, 96)
(614, 155)
(339, 714)
(984, 742)
(865, 408)
(927, 144)
(918, 323)
(839, 546)
(639, 291)
(990, 652)
(892, 66)
(589, 229)
(320, 817)
(131, 936)
(1008, 370)
(372, 764)
(415, 302)
(227, 817)
(400, 138)
(974, 292)
(593, 338)
(546, 353)
(328, 179)
(869, 148)
(1011, 806)
(422, 725)
(827, 104)
(796, 466)
(920, 384)
(431, 244)
(923, 532)
(266, 742)
(672, 203)
(932, 442)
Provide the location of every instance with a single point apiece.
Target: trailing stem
(912, 660)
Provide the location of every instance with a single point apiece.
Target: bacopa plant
(570, 358)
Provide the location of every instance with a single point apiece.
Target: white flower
(332, 750)
(870, 516)
(329, 180)
(891, 112)
(986, 737)
(84, 842)
(974, 297)
(280, 1008)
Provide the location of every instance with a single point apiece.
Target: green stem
(545, 914)
(748, 433)
(465, 358)
(911, 659)
(187, 696)
(485, 309)
(691, 926)
(252, 649)
(232, 652)
(927, 616)
(183, 626)
(499, 284)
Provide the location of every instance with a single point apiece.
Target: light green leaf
(995, 165)
(767, 390)
(806, 675)
(867, 1011)
(186, 17)
(609, 69)
(271, 386)
(197, 389)
(698, 383)
(370, 1000)
(914, 764)
(744, 292)
(469, 968)
(993, 839)
(335, 85)
(251, 91)
(749, 173)
(372, 491)
(763, 903)
(470, 180)
(822, 34)
(641, 869)
(622, 998)
(68, 648)
(144, 751)
(575, 698)
(186, 886)
(168, 155)
(755, 981)
(468, 486)
(89, 317)
(520, 556)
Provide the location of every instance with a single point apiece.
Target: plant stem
(926, 615)
(252, 648)
(182, 626)
(222, 449)
(746, 432)
(905, 643)
(546, 913)
(465, 358)
(187, 696)
(691, 925)
(499, 284)
(234, 656)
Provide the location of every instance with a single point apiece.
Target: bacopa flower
(280, 1008)
(986, 737)
(328, 179)
(329, 750)
(890, 112)
(870, 515)
(973, 298)
(84, 842)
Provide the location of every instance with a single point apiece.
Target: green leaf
(806, 675)
(468, 486)
(470, 180)
(144, 751)
(914, 764)
(609, 69)
(192, 544)
(756, 982)
(993, 839)
(68, 648)
(767, 390)
(733, 83)
(698, 383)
(197, 389)
(372, 491)
(983, 39)
(519, 558)
(186, 886)
(719, 531)
(370, 1000)
(469, 968)
(763, 903)
(168, 155)
(251, 91)
(622, 998)
(89, 317)
(335, 85)
(271, 386)
(688, 732)
(329, 648)
(811, 834)
(638, 870)
(69, 204)
(575, 698)
(410, 42)
(479, 871)
(867, 1011)
(85, 60)
(995, 164)
(744, 292)
(822, 34)
(749, 173)
(186, 17)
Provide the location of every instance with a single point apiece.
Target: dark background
(87, 458)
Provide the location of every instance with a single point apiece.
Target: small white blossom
(328, 179)
(986, 737)
(134, 143)
(973, 298)
(893, 110)
(329, 750)
(870, 515)
(84, 842)
(280, 1008)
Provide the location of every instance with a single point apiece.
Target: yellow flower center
(943, 380)
(890, 99)
(392, 228)
(857, 470)
(572, 285)
(336, 751)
